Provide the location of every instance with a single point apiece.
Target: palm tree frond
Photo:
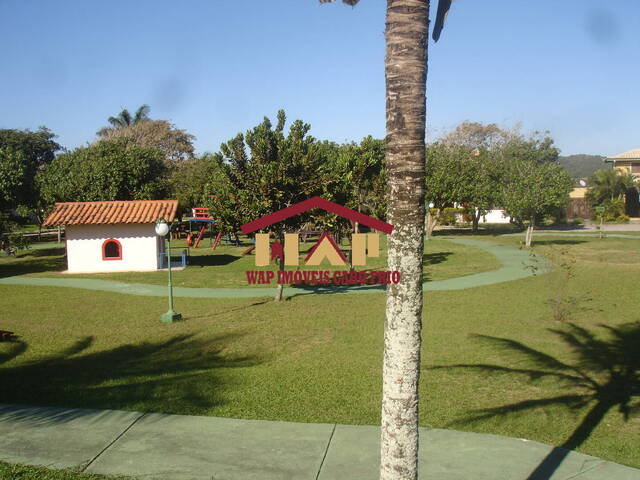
(114, 121)
(441, 15)
(539, 358)
(142, 113)
(570, 401)
(347, 2)
(125, 117)
(531, 373)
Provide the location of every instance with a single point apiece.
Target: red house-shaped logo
(326, 247)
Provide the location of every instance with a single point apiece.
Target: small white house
(116, 236)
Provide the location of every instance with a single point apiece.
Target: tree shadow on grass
(12, 349)
(432, 259)
(496, 229)
(33, 263)
(180, 375)
(604, 375)
(435, 258)
(211, 260)
(333, 289)
(557, 242)
(44, 252)
(218, 313)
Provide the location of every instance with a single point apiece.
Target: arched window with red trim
(111, 249)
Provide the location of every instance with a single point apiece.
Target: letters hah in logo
(363, 245)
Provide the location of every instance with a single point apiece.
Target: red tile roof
(120, 211)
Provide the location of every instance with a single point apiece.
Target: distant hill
(582, 165)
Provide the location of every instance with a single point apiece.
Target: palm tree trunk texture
(405, 73)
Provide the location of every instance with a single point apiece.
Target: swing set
(202, 221)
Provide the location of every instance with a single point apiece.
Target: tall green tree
(187, 180)
(13, 176)
(275, 169)
(407, 24)
(227, 204)
(538, 147)
(532, 189)
(359, 176)
(478, 174)
(269, 170)
(483, 176)
(444, 167)
(22, 154)
(118, 170)
(459, 174)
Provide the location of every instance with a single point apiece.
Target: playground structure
(203, 221)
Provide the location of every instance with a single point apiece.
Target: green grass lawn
(226, 267)
(317, 358)
(24, 472)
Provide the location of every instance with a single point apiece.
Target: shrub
(449, 216)
(613, 211)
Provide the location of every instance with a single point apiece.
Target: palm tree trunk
(405, 73)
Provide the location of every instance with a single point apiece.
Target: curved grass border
(516, 264)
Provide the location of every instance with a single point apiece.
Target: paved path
(558, 233)
(513, 267)
(179, 447)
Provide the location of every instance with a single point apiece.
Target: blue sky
(217, 67)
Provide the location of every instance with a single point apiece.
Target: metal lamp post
(162, 229)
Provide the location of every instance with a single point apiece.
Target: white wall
(139, 247)
(494, 216)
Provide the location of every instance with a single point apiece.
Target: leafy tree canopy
(475, 135)
(445, 165)
(459, 174)
(608, 184)
(108, 170)
(22, 154)
(357, 176)
(188, 179)
(538, 147)
(175, 144)
(228, 205)
(268, 170)
(533, 189)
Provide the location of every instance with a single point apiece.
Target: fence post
(59, 234)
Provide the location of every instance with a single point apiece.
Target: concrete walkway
(513, 267)
(178, 447)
